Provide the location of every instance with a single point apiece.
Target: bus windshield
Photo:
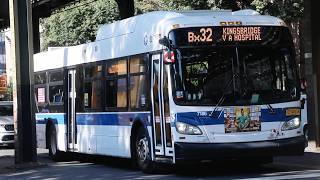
(234, 75)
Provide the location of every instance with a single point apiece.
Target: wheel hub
(142, 149)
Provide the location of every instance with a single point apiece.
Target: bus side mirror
(165, 42)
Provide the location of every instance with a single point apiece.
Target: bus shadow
(221, 168)
(216, 168)
(114, 162)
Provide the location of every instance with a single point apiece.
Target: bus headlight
(185, 128)
(291, 124)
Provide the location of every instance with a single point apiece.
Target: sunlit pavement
(97, 167)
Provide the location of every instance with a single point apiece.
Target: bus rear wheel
(143, 153)
(54, 153)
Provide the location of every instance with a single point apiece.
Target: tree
(288, 10)
(78, 23)
(142, 6)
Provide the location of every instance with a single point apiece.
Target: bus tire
(54, 153)
(142, 151)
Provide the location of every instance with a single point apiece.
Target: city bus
(174, 87)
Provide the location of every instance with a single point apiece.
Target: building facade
(5, 66)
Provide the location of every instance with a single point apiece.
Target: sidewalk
(6, 164)
(312, 147)
(7, 161)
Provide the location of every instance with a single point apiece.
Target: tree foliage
(285, 9)
(78, 23)
(288, 10)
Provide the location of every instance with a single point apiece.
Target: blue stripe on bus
(194, 119)
(111, 119)
(57, 118)
(218, 117)
(126, 119)
(278, 114)
(123, 119)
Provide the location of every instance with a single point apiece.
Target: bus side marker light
(176, 26)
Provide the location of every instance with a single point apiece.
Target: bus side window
(138, 82)
(92, 89)
(40, 80)
(92, 95)
(56, 91)
(56, 87)
(56, 94)
(116, 84)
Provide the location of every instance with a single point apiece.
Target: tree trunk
(126, 8)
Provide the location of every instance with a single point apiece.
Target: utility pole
(23, 88)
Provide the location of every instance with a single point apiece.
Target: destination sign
(225, 35)
(204, 35)
(241, 33)
(228, 34)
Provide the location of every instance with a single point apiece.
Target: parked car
(6, 123)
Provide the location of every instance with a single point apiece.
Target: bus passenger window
(138, 82)
(92, 95)
(56, 76)
(56, 94)
(138, 92)
(40, 78)
(118, 67)
(116, 93)
(138, 64)
(93, 72)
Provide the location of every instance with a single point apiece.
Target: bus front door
(71, 112)
(162, 141)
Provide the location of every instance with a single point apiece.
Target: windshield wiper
(271, 109)
(222, 98)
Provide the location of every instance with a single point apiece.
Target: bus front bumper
(211, 151)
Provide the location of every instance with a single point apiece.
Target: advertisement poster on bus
(242, 119)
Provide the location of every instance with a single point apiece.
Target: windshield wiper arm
(271, 109)
(222, 98)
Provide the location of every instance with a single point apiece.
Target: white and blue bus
(174, 87)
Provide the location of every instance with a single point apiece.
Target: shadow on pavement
(83, 166)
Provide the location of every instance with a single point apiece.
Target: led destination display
(241, 34)
(226, 35)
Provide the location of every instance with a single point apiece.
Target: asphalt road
(99, 167)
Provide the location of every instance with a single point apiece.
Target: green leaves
(77, 24)
(287, 10)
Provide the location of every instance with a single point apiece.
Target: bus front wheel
(54, 153)
(143, 153)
